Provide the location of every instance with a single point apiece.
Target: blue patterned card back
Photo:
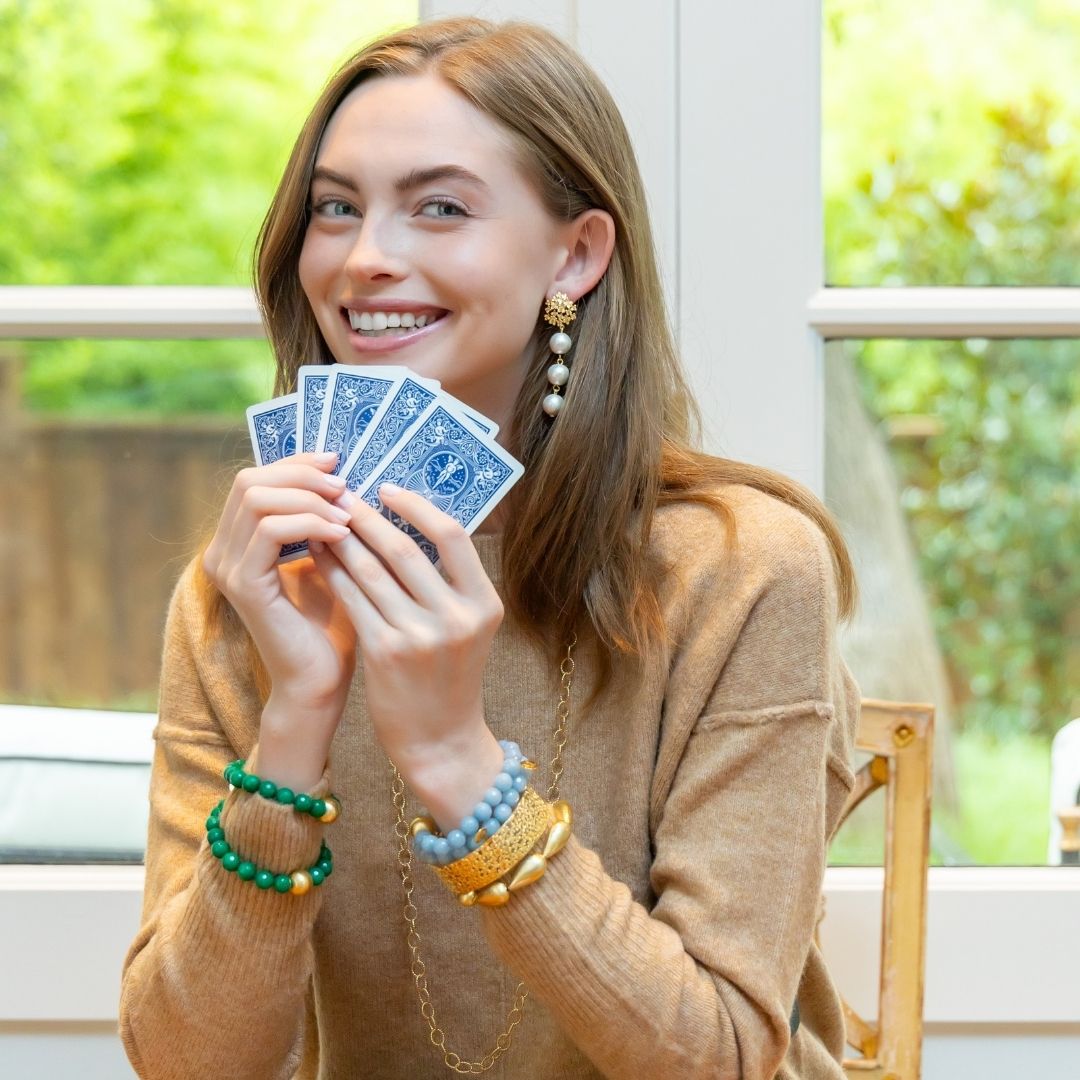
(462, 473)
(403, 407)
(352, 401)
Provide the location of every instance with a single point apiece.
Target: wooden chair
(900, 738)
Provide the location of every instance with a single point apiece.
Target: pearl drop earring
(559, 311)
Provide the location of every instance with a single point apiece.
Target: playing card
(388, 425)
(486, 426)
(464, 474)
(402, 407)
(272, 426)
(311, 386)
(353, 397)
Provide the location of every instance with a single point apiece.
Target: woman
(658, 623)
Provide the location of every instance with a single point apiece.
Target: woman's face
(421, 214)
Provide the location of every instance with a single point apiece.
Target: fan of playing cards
(388, 425)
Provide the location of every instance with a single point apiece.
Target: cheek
(305, 269)
(315, 259)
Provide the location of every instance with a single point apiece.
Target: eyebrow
(411, 180)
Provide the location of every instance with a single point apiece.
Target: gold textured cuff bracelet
(532, 867)
(501, 852)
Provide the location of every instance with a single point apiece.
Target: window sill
(1002, 946)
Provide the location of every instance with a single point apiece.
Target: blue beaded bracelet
(487, 816)
(325, 810)
(297, 882)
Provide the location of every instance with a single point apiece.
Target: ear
(589, 241)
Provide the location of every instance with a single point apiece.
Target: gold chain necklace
(412, 937)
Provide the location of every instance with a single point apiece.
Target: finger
(362, 613)
(260, 502)
(400, 552)
(456, 552)
(270, 533)
(373, 578)
(306, 471)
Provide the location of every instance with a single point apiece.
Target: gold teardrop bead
(467, 899)
(419, 825)
(494, 895)
(562, 812)
(331, 814)
(301, 882)
(557, 836)
(530, 869)
(527, 764)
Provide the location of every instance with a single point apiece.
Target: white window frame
(723, 101)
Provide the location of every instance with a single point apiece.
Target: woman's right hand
(303, 635)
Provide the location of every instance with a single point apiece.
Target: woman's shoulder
(745, 531)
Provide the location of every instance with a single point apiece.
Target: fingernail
(389, 489)
(346, 500)
(326, 455)
(341, 514)
(316, 547)
(335, 480)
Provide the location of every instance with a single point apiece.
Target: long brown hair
(575, 548)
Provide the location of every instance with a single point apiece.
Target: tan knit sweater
(667, 940)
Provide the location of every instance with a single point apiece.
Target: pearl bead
(301, 883)
(560, 343)
(552, 404)
(558, 374)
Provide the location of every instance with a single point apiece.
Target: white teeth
(378, 322)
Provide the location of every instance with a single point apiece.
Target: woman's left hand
(424, 640)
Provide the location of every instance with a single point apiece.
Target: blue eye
(442, 206)
(320, 206)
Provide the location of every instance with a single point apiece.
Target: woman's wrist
(294, 743)
(450, 784)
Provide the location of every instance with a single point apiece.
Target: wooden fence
(97, 520)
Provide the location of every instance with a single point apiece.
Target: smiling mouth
(374, 324)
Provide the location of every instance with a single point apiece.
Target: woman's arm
(703, 985)
(215, 982)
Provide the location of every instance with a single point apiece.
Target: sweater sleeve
(216, 979)
(702, 985)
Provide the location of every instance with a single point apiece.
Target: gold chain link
(417, 968)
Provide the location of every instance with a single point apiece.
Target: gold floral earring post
(559, 311)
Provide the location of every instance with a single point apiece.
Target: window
(945, 165)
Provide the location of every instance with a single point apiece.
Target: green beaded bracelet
(325, 810)
(298, 882)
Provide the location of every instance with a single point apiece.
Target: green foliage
(958, 167)
(83, 378)
(142, 139)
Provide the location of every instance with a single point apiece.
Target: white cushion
(74, 784)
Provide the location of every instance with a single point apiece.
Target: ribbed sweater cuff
(531, 934)
(271, 834)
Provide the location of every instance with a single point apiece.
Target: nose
(373, 256)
